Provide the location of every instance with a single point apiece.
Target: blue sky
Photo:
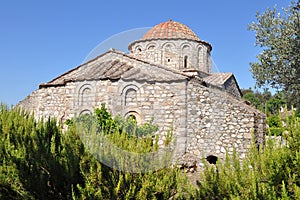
(40, 40)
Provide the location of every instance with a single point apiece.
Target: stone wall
(232, 87)
(53, 101)
(178, 54)
(206, 121)
(217, 123)
(163, 101)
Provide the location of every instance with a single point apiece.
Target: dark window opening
(185, 61)
(169, 60)
(132, 117)
(212, 159)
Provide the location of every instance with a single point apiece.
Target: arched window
(185, 52)
(138, 49)
(151, 47)
(130, 97)
(134, 115)
(131, 116)
(85, 95)
(85, 112)
(201, 63)
(186, 48)
(168, 47)
(185, 61)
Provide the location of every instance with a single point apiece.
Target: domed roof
(170, 30)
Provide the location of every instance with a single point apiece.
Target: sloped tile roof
(117, 65)
(217, 79)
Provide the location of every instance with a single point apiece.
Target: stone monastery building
(167, 75)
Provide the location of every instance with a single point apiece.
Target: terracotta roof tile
(170, 30)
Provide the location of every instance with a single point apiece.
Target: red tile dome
(170, 30)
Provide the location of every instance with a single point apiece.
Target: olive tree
(278, 34)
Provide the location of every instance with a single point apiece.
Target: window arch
(200, 58)
(185, 61)
(169, 54)
(85, 95)
(135, 115)
(168, 46)
(85, 112)
(138, 49)
(130, 97)
(185, 48)
(186, 52)
(151, 46)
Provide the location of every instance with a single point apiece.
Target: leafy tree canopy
(278, 34)
(265, 101)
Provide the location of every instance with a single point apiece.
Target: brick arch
(84, 94)
(186, 54)
(151, 46)
(136, 115)
(138, 49)
(134, 111)
(130, 95)
(185, 45)
(170, 55)
(166, 45)
(203, 58)
(85, 111)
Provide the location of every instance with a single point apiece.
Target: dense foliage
(269, 173)
(265, 101)
(38, 161)
(279, 36)
(274, 106)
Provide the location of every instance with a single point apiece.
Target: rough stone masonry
(167, 75)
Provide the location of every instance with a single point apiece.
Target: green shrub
(274, 121)
(38, 161)
(274, 131)
(268, 173)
